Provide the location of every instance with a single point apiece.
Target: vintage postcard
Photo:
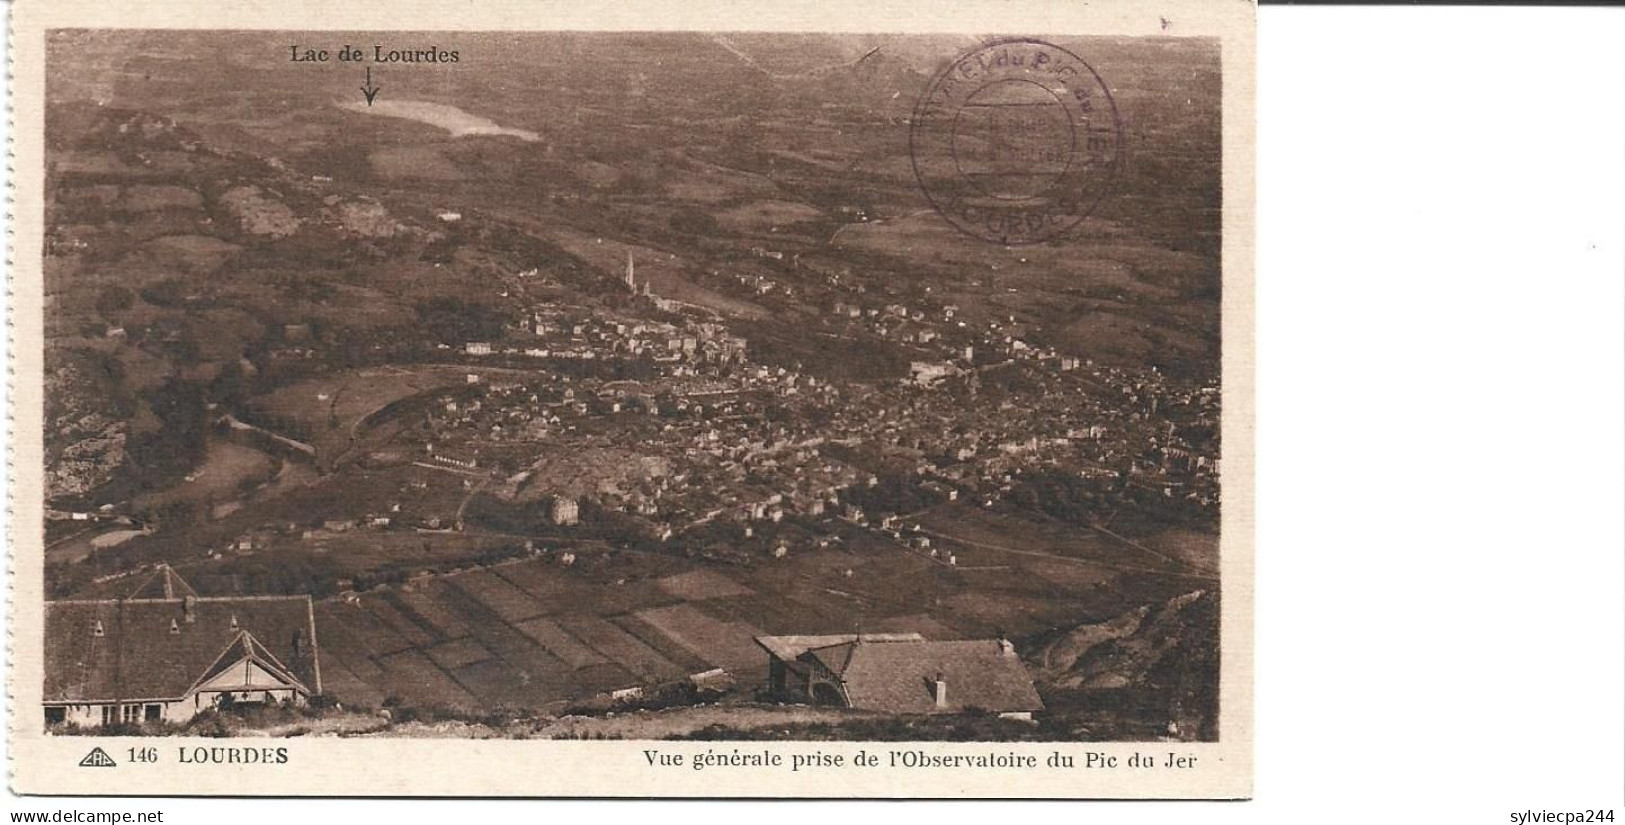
(646, 399)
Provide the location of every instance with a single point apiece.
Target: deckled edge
(8, 429)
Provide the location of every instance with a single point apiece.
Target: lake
(454, 120)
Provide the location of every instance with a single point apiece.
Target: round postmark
(1016, 142)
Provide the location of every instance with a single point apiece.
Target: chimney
(942, 691)
(189, 608)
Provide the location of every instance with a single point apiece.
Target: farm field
(979, 537)
(530, 634)
(542, 635)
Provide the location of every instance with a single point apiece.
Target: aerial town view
(628, 386)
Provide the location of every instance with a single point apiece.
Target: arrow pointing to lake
(370, 90)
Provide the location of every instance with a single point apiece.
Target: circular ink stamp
(1016, 142)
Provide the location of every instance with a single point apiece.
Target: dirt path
(1188, 565)
(1121, 568)
(684, 721)
(463, 507)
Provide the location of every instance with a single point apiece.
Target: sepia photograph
(683, 386)
(720, 409)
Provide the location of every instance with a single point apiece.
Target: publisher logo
(97, 758)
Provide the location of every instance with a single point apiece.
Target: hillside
(1146, 667)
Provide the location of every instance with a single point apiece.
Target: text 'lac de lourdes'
(377, 54)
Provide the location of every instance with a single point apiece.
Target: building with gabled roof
(901, 673)
(165, 654)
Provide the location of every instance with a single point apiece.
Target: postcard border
(42, 764)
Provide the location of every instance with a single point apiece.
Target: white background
(1441, 438)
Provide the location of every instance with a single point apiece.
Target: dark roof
(148, 650)
(900, 677)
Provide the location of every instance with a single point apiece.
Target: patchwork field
(538, 634)
(702, 584)
(729, 645)
(531, 634)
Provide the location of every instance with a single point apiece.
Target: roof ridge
(846, 643)
(213, 667)
(833, 652)
(252, 650)
(165, 582)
